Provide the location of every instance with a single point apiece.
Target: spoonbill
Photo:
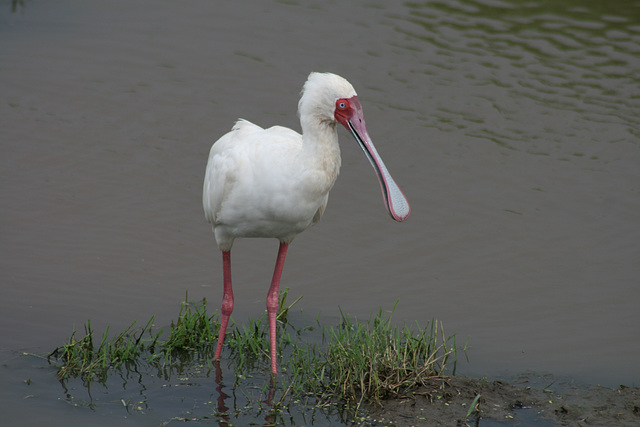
(275, 182)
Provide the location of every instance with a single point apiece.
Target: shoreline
(447, 401)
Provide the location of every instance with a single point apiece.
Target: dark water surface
(512, 127)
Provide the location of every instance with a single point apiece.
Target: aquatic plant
(82, 358)
(355, 361)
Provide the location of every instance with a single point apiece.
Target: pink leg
(272, 303)
(227, 301)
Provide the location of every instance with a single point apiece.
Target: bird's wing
(221, 168)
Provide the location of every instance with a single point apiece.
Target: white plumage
(275, 182)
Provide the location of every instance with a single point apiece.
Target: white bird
(275, 182)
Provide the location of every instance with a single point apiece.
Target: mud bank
(446, 402)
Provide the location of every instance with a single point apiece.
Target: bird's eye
(342, 104)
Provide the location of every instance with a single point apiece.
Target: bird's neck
(320, 146)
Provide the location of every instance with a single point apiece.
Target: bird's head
(329, 99)
(319, 96)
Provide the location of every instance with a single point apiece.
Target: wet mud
(447, 402)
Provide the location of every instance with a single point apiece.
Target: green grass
(355, 361)
(83, 358)
(376, 360)
(370, 361)
(192, 336)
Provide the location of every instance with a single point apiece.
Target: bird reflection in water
(222, 411)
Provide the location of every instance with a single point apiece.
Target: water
(512, 127)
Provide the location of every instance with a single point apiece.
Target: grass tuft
(192, 335)
(373, 361)
(356, 361)
(81, 358)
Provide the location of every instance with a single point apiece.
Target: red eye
(344, 110)
(342, 104)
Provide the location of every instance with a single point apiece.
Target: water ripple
(530, 60)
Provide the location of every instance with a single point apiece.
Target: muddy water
(512, 128)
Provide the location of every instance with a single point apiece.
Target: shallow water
(512, 127)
